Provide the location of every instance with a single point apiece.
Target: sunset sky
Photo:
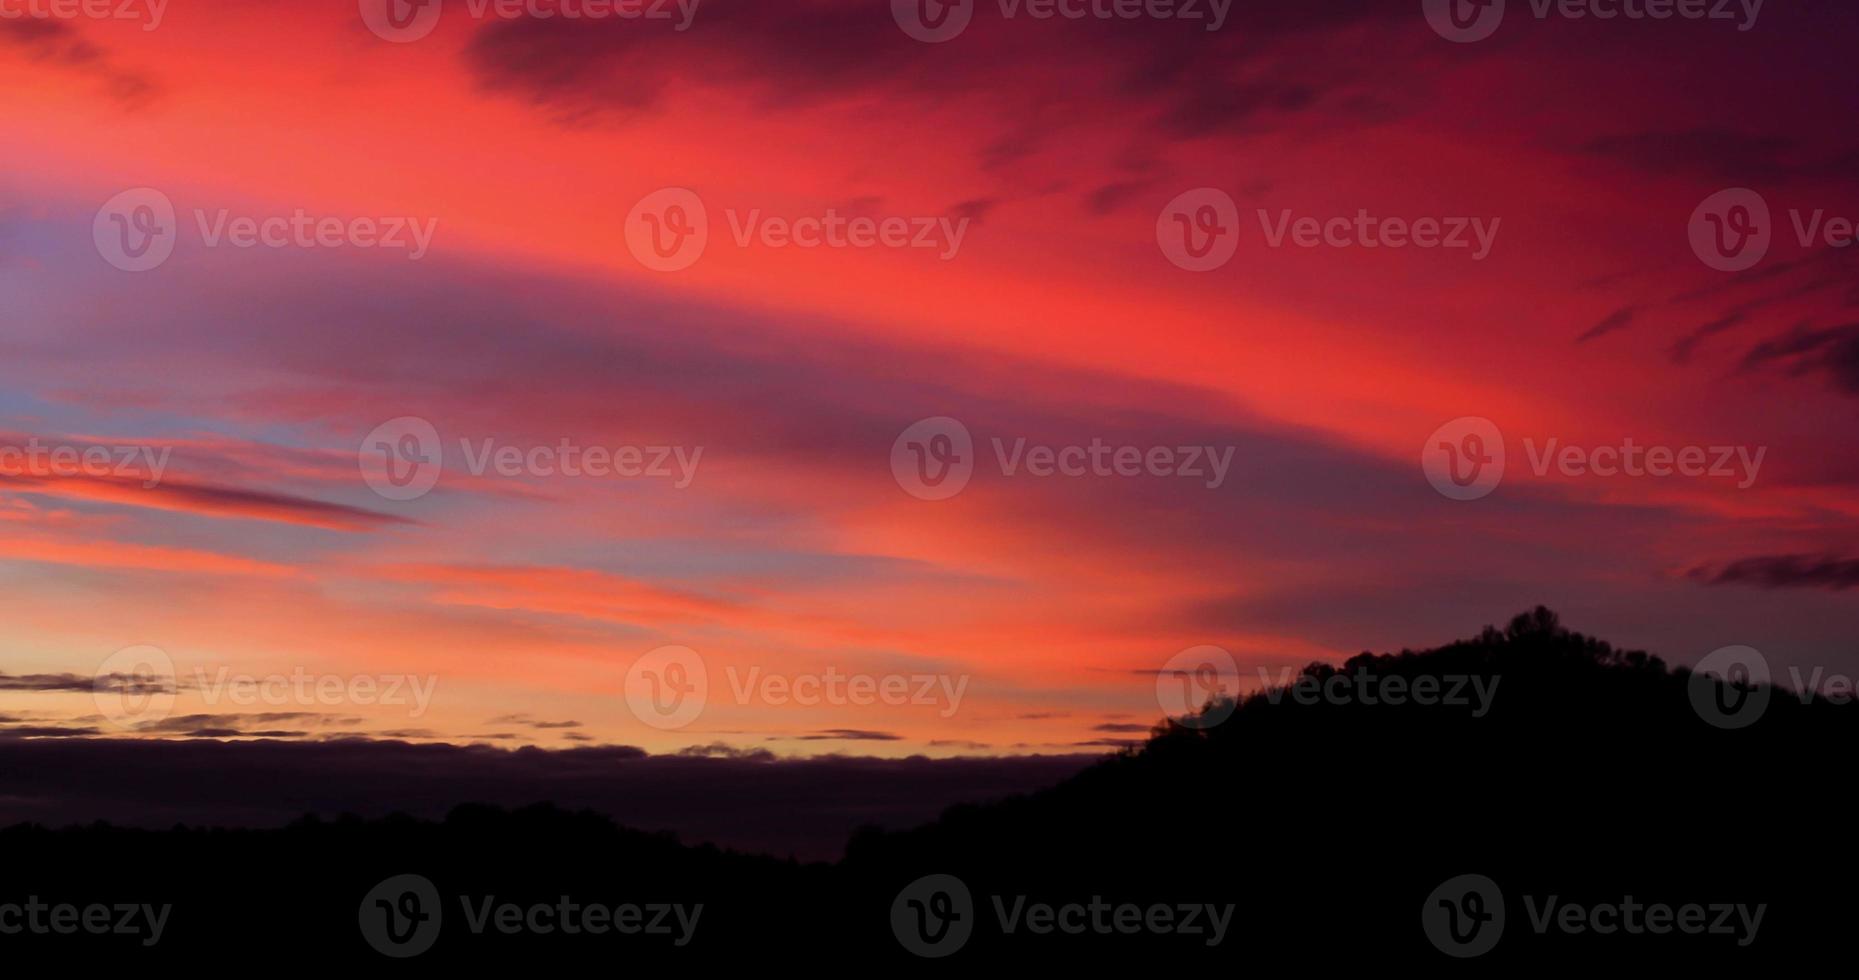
(1057, 146)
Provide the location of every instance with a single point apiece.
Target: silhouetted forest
(1586, 777)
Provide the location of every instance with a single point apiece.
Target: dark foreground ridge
(1589, 806)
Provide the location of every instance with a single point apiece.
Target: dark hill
(1612, 822)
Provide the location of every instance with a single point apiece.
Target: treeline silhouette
(1326, 822)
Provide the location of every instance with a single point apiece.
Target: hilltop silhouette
(1327, 818)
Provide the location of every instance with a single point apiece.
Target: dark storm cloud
(1783, 572)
